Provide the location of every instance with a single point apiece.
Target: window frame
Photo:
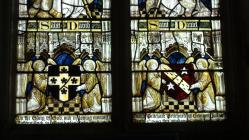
(227, 59)
(121, 72)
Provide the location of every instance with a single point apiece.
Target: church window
(177, 66)
(63, 62)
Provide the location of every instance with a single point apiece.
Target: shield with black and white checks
(63, 81)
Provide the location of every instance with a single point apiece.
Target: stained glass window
(63, 62)
(177, 66)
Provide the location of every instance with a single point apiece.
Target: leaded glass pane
(174, 8)
(177, 66)
(63, 62)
